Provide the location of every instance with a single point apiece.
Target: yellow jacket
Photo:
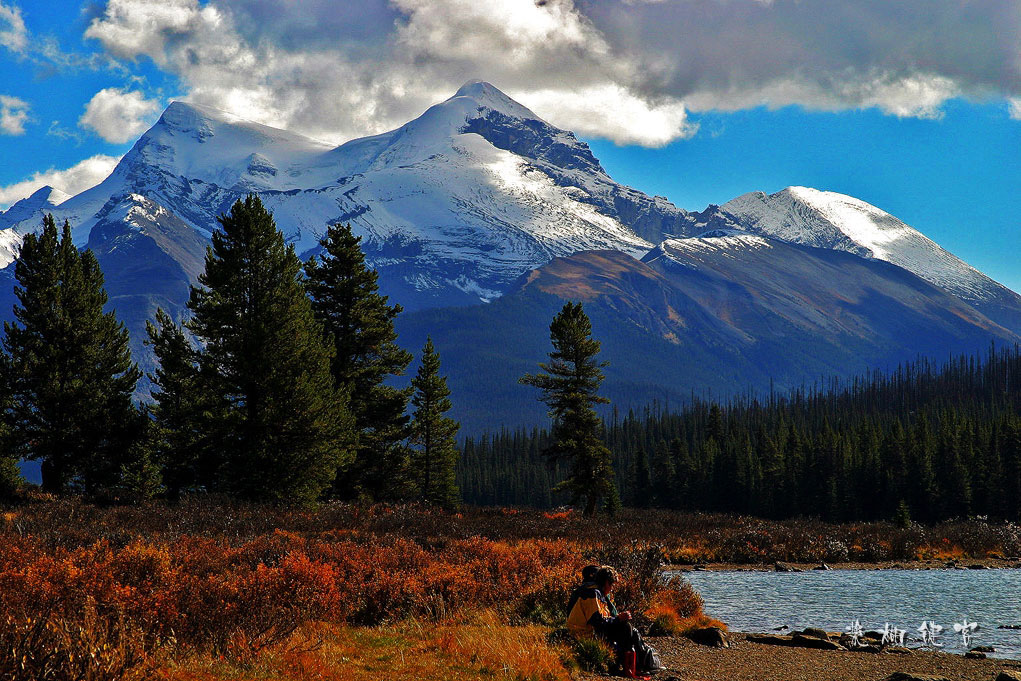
(590, 612)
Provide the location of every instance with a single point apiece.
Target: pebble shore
(748, 661)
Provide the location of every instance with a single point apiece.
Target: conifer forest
(927, 442)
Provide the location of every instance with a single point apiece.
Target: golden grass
(482, 646)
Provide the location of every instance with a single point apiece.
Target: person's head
(606, 577)
(588, 573)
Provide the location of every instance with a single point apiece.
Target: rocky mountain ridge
(480, 203)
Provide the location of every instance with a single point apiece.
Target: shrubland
(211, 588)
(205, 587)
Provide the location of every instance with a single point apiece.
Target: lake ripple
(753, 601)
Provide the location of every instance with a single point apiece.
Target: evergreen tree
(641, 480)
(69, 369)
(433, 433)
(360, 327)
(272, 413)
(569, 388)
(10, 477)
(663, 472)
(10, 474)
(175, 437)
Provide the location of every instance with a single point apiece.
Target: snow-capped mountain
(464, 204)
(31, 209)
(452, 207)
(830, 220)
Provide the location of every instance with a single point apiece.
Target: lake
(752, 601)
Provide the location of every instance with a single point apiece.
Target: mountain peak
(31, 209)
(825, 219)
(475, 88)
(215, 147)
(185, 116)
(47, 194)
(488, 96)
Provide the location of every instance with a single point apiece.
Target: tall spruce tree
(176, 434)
(69, 369)
(360, 326)
(569, 388)
(272, 413)
(435, 458)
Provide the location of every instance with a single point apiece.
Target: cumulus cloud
(13, 34)
(118, 115)
(628, 71)
(77, 178)
(13, 115)
(612, 112)
(408, 55)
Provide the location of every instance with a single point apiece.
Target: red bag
(630, 664)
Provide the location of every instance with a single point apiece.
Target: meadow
(213, 589)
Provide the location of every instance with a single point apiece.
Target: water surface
(753, 601)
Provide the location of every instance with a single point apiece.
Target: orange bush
(678, 608)
(209, 594)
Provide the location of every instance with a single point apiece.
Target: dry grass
(481, 646)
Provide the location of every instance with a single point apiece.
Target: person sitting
(594, 614)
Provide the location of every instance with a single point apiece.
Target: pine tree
(10, 477)
(175, 437)
(10, 474)
(433, 433)
(273, 414)
(569, 388)
(360, 326)
(663, 472)
(641, 480)
(69, 368)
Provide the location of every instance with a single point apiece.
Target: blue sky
(908, 109)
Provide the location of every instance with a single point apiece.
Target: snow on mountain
(10, 244)
(723, 243)
(831, 220)
(452, 207)
(42, 201)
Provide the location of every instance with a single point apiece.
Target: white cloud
(118, 115)
(612, 112)
(917, 96)
(73, 180)
(230, 57)
(629, 71)
(1014, 108)
(13, 34)
(13, 115)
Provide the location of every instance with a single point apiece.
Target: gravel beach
(745, 660)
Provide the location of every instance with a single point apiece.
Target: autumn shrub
(240, 599)
(677, 608)
(640, 567)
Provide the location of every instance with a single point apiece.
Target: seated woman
(594, 614)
